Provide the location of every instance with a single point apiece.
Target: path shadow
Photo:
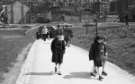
(81, 75)
(40, 73)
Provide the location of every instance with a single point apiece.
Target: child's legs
(59, 67)
(56, 67)
(92, 65)
(98, 67)
(103, 65)
(103, 70)
(99, 70)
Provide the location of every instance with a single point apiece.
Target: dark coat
(97, 53)
(58, 50)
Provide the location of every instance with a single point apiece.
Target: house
(16, 12)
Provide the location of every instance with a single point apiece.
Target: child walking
(44, 33)
(58, 50)
(98, 55)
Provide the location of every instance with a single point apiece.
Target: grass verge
(11, 42)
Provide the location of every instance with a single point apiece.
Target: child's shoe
(59, 73)
(92, 74)
(100, 78)
(55, 69)
(104, 73)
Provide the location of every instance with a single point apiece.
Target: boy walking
(98, 55)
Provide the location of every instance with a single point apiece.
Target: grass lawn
(121, 44)
(11, 44)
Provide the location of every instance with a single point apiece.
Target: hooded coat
(97, 53)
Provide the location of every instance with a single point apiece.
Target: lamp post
(97, 7)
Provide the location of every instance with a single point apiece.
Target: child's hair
(99, 38)
(58, 26)
(59, 32)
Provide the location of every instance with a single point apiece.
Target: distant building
(17, 12)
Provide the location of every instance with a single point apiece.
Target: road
(38, 68)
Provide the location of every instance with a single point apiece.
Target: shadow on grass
(81, 75)
(40, 73)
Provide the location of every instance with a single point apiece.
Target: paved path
(38, 69)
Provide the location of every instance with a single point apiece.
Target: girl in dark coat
(58, 50)
(98, 54)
